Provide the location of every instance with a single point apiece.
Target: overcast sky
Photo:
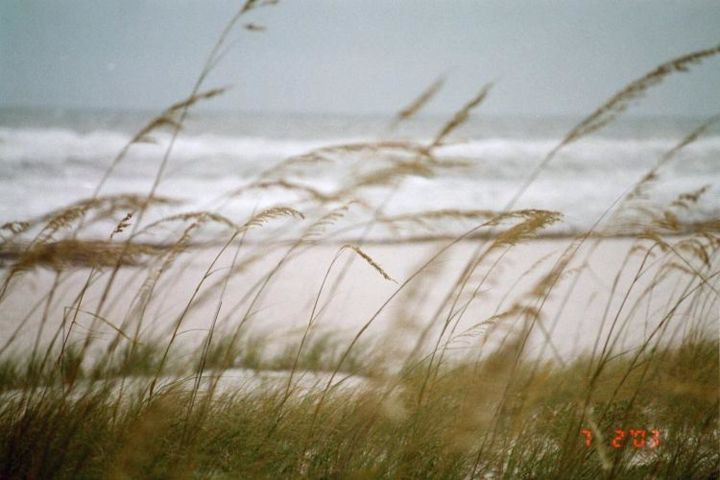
(547, 57)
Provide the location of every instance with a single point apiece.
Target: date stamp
(635, 438)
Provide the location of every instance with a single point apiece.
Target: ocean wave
(60, 145)
(57, 145)
(584, 180)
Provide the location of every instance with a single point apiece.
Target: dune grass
(98, 380)
(477, 417)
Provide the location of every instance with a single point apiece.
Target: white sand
(283, 310)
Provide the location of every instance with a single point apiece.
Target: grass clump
(474, 418)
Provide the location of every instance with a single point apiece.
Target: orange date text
(634, 438)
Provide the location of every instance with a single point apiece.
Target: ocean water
(49, 158)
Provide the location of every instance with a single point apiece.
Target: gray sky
(547, 57)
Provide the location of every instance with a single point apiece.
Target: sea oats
(418, 103)
(318, 227)
(122, 225)
(369, 261)
(284, 184)
(619, 102)
(426, 218)
(460, 116)
(615, 106)
(528, 228)
(270, 214)
(62, 254)
(330, 153)
(184, 388)
(198, 216)
(15, 228)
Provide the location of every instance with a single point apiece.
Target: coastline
(503, 281)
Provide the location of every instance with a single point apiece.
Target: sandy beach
(575, 312)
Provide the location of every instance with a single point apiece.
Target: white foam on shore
(582, 181)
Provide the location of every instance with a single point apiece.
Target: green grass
(474, 417)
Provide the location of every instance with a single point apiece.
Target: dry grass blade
(613, 107)
(327, 153)
(416, 105)
(168, 117)
(641, 188)
(548, 280)
(76, 253)
(171, 117)
(253, 4)
(122, 225)
(619, 102)
(370, 261)
(103, 207)
(271, 214)
(62, 219)
(318, 228)
(9, 233)
(200, 217)
(693, 136)
(105, 321)
(253, 27)
(697, 249)
(654, 237)
(686, 200)
(15, 228)
(668, 219)
(193, 99)
(535, 220)
(461, 116)
(147, 288)
(285, 184)
(387, 175)
(381, 149)
(449, 213)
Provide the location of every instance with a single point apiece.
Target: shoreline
(572, 312)
(11, 251)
